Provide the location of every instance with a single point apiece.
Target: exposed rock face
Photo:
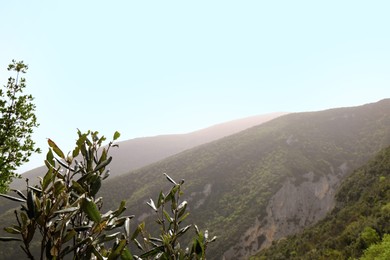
(292, 208)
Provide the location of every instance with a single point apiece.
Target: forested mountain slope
(266, 182)
(139, 152)
(360, 218)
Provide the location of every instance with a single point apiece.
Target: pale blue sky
(158, 67)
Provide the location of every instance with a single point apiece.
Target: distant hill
(138, 152)
(360, 218)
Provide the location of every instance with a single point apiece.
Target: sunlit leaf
(21, 194)
(116, 135)
(67, 210)
(153, 252)
(152, 205)
(127, 227)
(55, 148)
(12, 230)
(170, 179)
(12, 198)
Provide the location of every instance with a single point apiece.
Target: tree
(380, 251)
(17, 121)
(169, 243)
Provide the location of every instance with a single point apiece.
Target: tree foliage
(167, 245)
(380, 251)
(17, 121)
(64, 214)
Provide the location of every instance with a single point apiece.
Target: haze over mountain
(138, 152)
(260, 184)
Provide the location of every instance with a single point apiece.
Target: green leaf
(122, 207)
(12, 198)
(55, 148)
(138, 244)
(153, 252)
(161, 198)
(12, 230)
(118, 250)
(47, 178)
(126, 255)
(77, 187)
(167, 216)
(75, 152)
(183, 217)
(140, 227)
(50, 157)
(90, 208)
(31, 204)
(102, 164)
(21, 194)
(24, 218)
(37, 190)
(65, 165)
(106, 238)
(59, 186)
(97, 253)
(182, 208)
(170, 179)
(183, 230)
(69, 235)
(95, 186)
(116, 135)
(67, 210)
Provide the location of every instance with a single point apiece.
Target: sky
(147, 68)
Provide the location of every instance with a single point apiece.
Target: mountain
(360, 218)
(138, 152)
(261, 184)
(266, 182)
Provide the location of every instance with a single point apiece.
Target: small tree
(17, 121)
(63, 210)
(170, 215)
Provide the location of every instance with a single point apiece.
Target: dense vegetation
(360, 219)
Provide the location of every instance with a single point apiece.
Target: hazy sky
(158, 67)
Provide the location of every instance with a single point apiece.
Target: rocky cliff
(296, 205)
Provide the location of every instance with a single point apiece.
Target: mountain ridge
(138, 152)
(225, 176)
(234, 185)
